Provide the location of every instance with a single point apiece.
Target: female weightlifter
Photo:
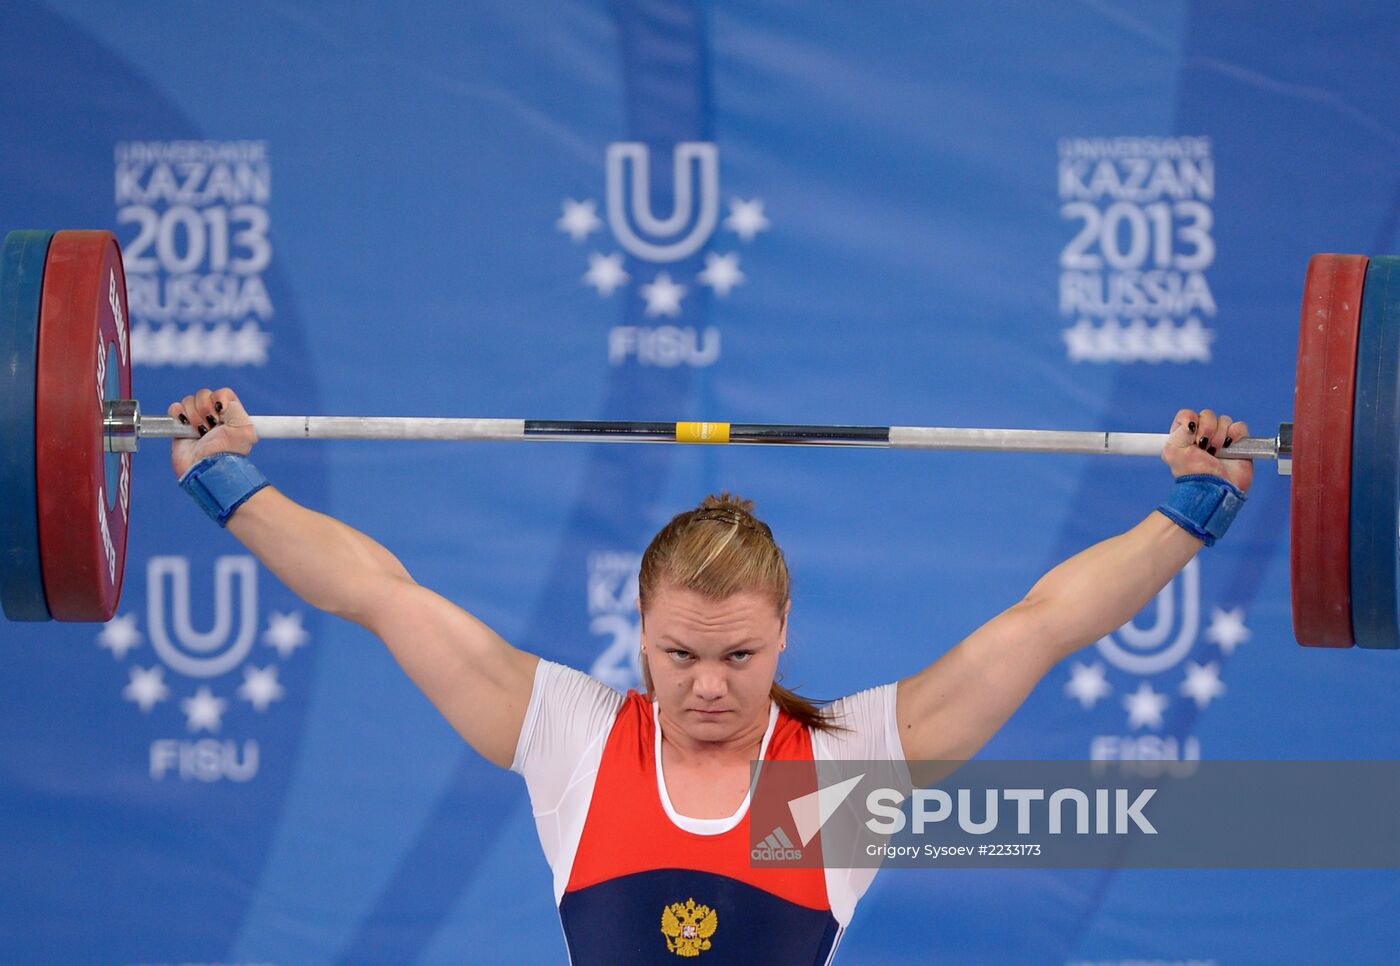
(641, 800)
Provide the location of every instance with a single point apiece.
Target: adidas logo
(777, 847)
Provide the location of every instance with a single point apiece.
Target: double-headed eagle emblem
(688, 927)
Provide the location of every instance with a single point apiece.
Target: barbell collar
(125, 423)
(121, 424)
(1285, 449)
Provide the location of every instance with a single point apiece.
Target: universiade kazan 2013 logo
(667, 260)
(205, 683)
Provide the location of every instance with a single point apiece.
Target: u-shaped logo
(1148, 650)
(695, 189)
(194, 653)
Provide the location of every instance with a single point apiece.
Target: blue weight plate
(21, 281)
(1375, 475)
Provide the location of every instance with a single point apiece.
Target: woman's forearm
(1101, 588)
(330, 565)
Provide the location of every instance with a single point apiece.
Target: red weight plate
(82, 522)
(1323, 398)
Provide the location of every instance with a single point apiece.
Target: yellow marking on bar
(702, 432)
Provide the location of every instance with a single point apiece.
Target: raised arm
(480, 683)
(952, 707)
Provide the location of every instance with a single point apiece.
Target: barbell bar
(63, 295)
(124, 425)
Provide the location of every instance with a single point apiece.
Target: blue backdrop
(1078, 215)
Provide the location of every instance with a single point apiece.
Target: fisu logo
(663, 226)
(1164, 636)
(216, 658)
(202, 654)
(696, 172)
(212, 657)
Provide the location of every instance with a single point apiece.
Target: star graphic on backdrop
(721, 273)
(260, 687)
(147, 687)
(1164, 343)
(285, 633)
(1227, 630)
(249, 346)
(580, 218)
(1145, 707)
(746, 218)
(605, 273)
(1080, 342)
(1193, 341)
(1137, 344)
(158, 347)
(663, 296)
(204, 710)
(1202, 683)
(1087, 684)
(200, 346)
(1109, 340)
(187, 346)
(120, 635)
(1138, 341)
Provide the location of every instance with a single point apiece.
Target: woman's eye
(739, 657)
(679, 655)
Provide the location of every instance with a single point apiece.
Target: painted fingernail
(1191, 428)
(218, 406)
(211, 421)
(1226, 444)
(202, 430)
(182, 418)
(1210, 450)
(1203, 442)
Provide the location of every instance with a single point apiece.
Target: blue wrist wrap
(222, 483)
(1203, 505)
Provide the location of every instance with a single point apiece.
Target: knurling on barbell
(86, 382)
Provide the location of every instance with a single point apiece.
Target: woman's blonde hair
(718, 549)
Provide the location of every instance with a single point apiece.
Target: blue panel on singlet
(619, 922)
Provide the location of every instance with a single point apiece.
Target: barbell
(69, 424)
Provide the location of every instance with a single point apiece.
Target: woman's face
(712, 662)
